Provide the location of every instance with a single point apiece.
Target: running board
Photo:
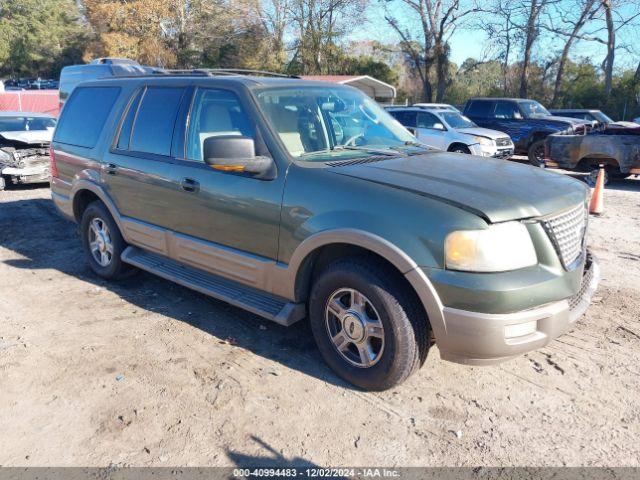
(267, 306)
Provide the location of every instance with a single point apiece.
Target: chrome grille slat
(567, 231)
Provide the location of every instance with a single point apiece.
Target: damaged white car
(24, 147)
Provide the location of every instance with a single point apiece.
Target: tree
(574, 16)
(438, 20)
(38, 37)
(319, 25)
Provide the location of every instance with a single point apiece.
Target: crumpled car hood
(495, 190)
(31, 137)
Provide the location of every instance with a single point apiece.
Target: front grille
(567, 232)
(503, 141)
(586, 281)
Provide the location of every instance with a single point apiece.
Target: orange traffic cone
(596, 206)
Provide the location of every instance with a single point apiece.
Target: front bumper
(492, 151)
(483, 338)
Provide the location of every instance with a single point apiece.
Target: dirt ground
(146, 372)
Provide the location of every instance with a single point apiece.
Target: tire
(460, 149)
(536, 154)
(404, 341)
(113, 269)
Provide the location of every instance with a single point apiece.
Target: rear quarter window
(84, 115)
(480, 108)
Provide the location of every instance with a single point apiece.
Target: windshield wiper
(338, 148)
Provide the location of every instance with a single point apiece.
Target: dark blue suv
(527, 122)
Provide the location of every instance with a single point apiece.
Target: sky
(470, 43)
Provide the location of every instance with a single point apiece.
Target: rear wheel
(103, 243)
(536, 154)
(368, 327)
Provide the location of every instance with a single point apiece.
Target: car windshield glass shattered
(455, 120)
(322, 123)
(26, 124)
(533, 109)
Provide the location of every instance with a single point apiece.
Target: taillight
(52, 163)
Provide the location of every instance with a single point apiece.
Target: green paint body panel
(412, 203)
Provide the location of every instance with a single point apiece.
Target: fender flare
(84, 184)
(387, 250)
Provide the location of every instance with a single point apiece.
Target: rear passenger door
(138, 167)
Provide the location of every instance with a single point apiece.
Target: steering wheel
(351, 141)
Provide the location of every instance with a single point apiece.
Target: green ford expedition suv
(295, 199)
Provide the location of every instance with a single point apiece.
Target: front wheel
(460, 149)
(369, 328)
(103, 243)
(536, 154)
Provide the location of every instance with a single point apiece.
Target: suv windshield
(455, 120)
(320, 123)
(26, 124)
(602, 117)
(531, 108)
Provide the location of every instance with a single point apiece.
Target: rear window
(479, 108)
(156, 117)
(84, 115)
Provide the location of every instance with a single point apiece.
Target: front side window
(155, 119)
(531, 108)
(320, 123)
(215, 113)
(429, 120)
(507, 110)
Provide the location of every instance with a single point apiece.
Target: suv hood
(482, 132)
(569, 120)
(495, 190)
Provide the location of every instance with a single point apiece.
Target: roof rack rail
(210, 72)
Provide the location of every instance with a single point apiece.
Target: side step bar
(267, 306)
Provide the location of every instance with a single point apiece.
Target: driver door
(227, 211)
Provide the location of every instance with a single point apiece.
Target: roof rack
(211, 72)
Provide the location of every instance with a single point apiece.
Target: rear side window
(154, 122)
(84, 115)
(407, 119)
(480, 108)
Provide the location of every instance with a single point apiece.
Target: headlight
(484, 141)
(499, 248)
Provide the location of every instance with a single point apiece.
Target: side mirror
(234, 153)
(438, 126)
(517, 115)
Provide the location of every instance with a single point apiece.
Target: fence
(41, 101)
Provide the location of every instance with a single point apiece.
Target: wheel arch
(458, 143)
(85, 192)
(325, 247)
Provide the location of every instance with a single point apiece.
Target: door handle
(111, 168)
(189, 185)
